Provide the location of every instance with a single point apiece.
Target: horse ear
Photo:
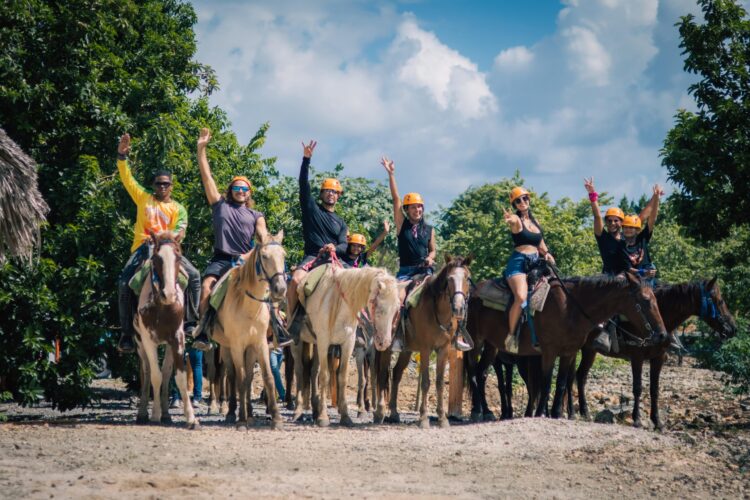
(632, 278)
(448, 258)
(710, 285)
(468, 260)
(279, 237)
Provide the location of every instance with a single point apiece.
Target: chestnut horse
(158, 321)
(431, 327)
(572, 303)
(677, 303)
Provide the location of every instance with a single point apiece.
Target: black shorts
(218, 267)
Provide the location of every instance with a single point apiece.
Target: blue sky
(456, 93)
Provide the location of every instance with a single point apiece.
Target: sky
(457, 93)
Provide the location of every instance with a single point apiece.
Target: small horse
(242, 321)
(571, 304)
(676, 304)
(158, 321)
(332, 312)
(431, 326)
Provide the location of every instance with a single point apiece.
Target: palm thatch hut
(22, 208)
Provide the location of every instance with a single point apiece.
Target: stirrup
(282, 336)
(462, 340)
(126, 345)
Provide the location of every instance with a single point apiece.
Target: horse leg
(442, 358)
(181, 378)
(289, 377)
(548, 364)
(240, 394)
(561, 383)
(359, 356)
(398, 371)
(167, 367)
(369, 378)
(212, 373)
(299, 363)
(504, 372)
(488, 356)
(250, 357)
(230, 386)
(311, 383)
(654, 375)
(587, 361)
(346, 354)
(324, 375)
(153, 361)
(145, 374)
(569, 389)
(424, 365)
(636, 366)
(381, 368)
(528, 368)
(270, 386)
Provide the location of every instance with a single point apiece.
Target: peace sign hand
(507, 215)
(388, 165)
(589, 185)
(308, 149)
(124, 147)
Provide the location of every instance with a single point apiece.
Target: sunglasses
(238, 189)
(611, 220)
(329, 191)
(523, 198)
(162, 184)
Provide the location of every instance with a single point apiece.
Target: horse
(332, 318)
(572, 303)
(364, 354)
(676, 303)
(157, 321)
(431, 325)
(242, 320)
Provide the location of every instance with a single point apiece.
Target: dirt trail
(100, 453)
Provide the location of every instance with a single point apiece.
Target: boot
(462, 340)
(283, 338)
(614, 344)
(126, 344)
(201, 340)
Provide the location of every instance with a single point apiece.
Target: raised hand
(388, 165)
(204, 138)
(386, 226)
(124, 147)
(589, 185)
(658, 192)
(308, 149)
(508, 215)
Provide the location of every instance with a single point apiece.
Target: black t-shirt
(413, 243)
(637, 255)
(319, 226)
(612, 251)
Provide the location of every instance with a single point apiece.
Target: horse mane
(245, 275)
(596, 281)
(438, 282)
(355, 284)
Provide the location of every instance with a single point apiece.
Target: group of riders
(622, 240)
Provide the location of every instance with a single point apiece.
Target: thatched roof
(22, 208)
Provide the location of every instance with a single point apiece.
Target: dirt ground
(99, 452)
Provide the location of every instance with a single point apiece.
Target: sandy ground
(100, 453)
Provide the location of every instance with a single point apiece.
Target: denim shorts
(405, 273)
(519, 263)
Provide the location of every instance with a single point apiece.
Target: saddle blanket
(416, 293)
(311, 281)
(220, 290)
(495, 294)
(142, 274)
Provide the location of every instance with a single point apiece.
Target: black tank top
(412, 250)
(526, 237)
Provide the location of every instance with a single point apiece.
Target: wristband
(121, 156)
(593, 197)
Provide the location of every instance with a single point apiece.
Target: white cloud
(588, 58)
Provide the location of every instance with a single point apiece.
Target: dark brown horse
(158, 321)
(676, 303)
(571, 304)
(431, 327)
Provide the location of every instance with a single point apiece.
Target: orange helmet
(413, 199)
(357, 239)
(332, 184)
(632, 221)
(241, 178)
(615, 212)
(517, 192)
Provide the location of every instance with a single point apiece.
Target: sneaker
(601, 343)
(126, 345)
(175, 403)
(397, 345)
(202, 342)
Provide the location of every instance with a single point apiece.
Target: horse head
(715, 311)
(269, 263)
(384, 305)
(165, 266)
(644, 305)
(456, 275)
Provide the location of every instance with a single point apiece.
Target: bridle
(261, 272)
(464, 308)
(709, 308)
(155, 280)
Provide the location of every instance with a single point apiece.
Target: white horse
(332, 311)
(242, 320)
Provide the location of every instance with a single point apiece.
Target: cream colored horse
(332, 313)
(242, 319)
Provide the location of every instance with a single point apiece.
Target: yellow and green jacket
(152, 215)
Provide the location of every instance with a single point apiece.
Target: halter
(260, 271)
(709, 308)
(464, 308)
(155, 277)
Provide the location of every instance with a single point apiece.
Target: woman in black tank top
(528, 243)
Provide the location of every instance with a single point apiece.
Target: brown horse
(571, 304)
(431, 327)
(676, 303)
(158, 321)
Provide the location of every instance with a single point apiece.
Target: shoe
(601, 343)
(126, 345)
(462, 341)
(175, 403)
(397, 345)
(202, 342)
(511, 344)
(189, 329)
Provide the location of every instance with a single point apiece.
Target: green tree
(707, 153)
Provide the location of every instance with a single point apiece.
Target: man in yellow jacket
(155, 212)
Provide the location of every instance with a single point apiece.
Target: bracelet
(121, 156)
(593, 197)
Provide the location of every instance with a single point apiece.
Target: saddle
(142, 274)
(220, 290)
(311, 282)
(496, 294)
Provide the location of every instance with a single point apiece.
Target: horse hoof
(290, 405)
(637, 423)
(213, 409)
(194, 426)
(230, 418)
(378, 418)
(489, 417)
(240, 425)
(361, 414)
(507, 416)
(476, 417)
(347, 421)
(424, 423)
(141, 419)
(277, 425)
(443, 422)
(166, 419)
(322, 422)
(658, 426)
(297, 417)
(393, 419)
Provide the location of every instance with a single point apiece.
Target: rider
(235, 224)
(528, 243)
(416, 247)
(323, 231)
(356, 255)
(637, 240)
(155, 212)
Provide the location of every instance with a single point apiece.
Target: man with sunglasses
(156, 212)
(323, 231)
